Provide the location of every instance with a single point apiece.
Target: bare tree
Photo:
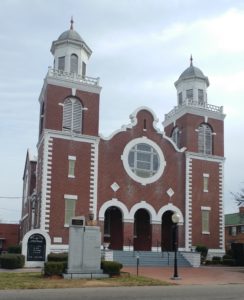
(239, 197)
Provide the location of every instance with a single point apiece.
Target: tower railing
(195, 104)
(60, 74)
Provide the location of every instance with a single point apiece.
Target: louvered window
(205, 139)
(74, 63)
(61, 63)
(189, 95)
(72, 115)
(200, 97)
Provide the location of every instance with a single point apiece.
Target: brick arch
(116, 203)
(146, 206)
(170, 207)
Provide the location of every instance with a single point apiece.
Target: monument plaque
(36, 248)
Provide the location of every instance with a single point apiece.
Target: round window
(143, 160)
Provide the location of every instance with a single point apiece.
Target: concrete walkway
(193, 276)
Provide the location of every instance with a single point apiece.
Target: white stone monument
(84, 259)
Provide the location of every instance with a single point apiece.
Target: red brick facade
(9, 236)
(132, 206)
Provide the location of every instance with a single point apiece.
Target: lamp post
(175, 220)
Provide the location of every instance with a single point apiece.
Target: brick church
(132, 182)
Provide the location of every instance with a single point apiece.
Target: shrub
(12, 261)
(14, 249)
(54, 268)
(203, 250)
(61, 257)
(111, 267)
(216, 259)
(227, 256)
(228, 261)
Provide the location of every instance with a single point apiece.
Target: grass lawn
(11, 280)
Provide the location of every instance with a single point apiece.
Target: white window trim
(205, 175)
(162, 162)
(71, 158)
(71, 197)
(205, 208)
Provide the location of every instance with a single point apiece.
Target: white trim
(114, 202)
(188, 205)
(133, 118)
(173, 208)
(221, 207)
(206, 157)
(71, 157)
(67, 135)
(70, 197)
(206, 208)
(68, 84)
(46, 180)
(162, 162)
(205, 175)
(144, 205)
(193, 111)
(35, 264)
(94, 178)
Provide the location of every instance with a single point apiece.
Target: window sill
(71, 176)
(205, 191)
(205, 232)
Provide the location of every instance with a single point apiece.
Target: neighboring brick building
(133, 181)
(234, 228)
(9, 236)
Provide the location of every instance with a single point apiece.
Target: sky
(140, 48)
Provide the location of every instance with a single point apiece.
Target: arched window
(74, 63)
(72, 115)
(176, 136)
(205, 143)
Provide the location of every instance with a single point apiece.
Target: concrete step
(148, 258)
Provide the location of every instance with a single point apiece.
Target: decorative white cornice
(206, 157)
(133, 118)
(68, 83)
(66, 135)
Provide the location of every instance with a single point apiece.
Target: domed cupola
(71, 53)
(192, 86)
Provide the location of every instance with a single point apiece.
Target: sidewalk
(193, 276)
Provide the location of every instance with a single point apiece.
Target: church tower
(199, 127)
(68, 138)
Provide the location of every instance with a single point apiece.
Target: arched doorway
(142, 231)
(113, 228)
(166, 231)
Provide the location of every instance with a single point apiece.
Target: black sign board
(79, 222)
(36, 248)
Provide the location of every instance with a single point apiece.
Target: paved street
(187, 292)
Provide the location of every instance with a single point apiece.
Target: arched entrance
(166, 231)
(142, 231)
(113, 228)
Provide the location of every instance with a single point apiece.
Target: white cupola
(70, 52)
(192, 87)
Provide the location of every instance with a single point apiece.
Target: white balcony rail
(195, 104)
(72, 77)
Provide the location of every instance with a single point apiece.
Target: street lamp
(175, 219)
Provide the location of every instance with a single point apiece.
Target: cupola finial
(191, 59)
(71, 23)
